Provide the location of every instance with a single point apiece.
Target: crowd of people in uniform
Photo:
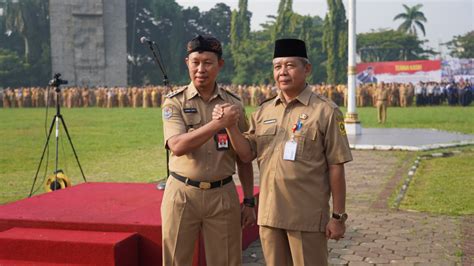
(399, 94)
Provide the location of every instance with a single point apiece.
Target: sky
(446, 18)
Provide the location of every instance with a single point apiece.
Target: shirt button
(208, 152)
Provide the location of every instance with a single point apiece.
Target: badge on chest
(222, 140)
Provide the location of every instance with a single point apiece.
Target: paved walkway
(414, 139)
(377, 235)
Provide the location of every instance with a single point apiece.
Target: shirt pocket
(265, 136)
(192, 121)
(307, 143)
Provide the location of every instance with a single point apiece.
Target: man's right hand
(228, 115)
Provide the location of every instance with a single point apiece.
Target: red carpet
(101, 207)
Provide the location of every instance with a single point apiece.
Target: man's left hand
(335, 229)
(248, 216)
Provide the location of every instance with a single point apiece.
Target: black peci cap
(290, 48)
(205, 43)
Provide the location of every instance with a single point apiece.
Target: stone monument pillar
(89, 41)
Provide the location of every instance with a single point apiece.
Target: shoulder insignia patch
(176, 92)
(233, 94)
(267, 100)
(325, 99)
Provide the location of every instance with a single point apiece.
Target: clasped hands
(227, 114)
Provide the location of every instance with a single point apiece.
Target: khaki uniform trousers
(403, 100)
(287, 247)
(382, 111)
(188, 210)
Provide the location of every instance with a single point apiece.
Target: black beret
(290, 48)
(205, 43)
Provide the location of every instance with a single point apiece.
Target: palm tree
(413, 19)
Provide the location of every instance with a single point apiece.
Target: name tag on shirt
(269, 121)
(290, 150)
(190, 110)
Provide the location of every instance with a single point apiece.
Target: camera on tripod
(57, 81)
(58, 180)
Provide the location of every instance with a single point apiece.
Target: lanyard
(296, 127)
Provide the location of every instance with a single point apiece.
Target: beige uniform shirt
(294, 195)
(185, 111)
(382, 94)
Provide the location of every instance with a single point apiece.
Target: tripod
(56, 82)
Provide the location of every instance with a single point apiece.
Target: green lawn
(126, 145)
(123, 145)
(443, 185)
(459, 119)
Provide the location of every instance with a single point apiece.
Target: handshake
(226, 114)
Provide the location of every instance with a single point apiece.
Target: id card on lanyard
(291, 146)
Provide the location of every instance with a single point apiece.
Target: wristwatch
(340, 217)
(249, 202)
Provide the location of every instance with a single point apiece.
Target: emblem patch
(167, 112)
(303, 116)
(342, 128)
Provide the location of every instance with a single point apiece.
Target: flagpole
(352, 123)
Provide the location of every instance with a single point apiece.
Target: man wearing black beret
(200, 195)
(299, 140)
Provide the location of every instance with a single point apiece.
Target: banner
(457, 70)
(399, 71)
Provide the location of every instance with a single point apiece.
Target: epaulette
(266, 100)
(325, 99)
(176, 92)
(233, 94)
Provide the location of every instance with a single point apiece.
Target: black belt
(201, 184)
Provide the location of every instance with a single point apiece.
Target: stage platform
(101, 207)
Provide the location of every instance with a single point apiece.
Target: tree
(11, 68)
(29, 19)
(239, 42)
(462, 46)
(164, 22)
(390, 45)
(240, 25)
(335, 42)
(284, 26)
(413, 18)
(217, 21)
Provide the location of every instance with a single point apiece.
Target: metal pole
(352, 122)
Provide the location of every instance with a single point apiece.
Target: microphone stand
(162, 184)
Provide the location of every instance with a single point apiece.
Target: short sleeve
(337, 148)
(173, 122)
(243, 121)
(250, 134)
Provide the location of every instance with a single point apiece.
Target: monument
(88, 41)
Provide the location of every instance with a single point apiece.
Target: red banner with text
(399, 71)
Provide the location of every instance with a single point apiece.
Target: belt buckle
(204, 185)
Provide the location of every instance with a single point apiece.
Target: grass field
(443, 185)
(126, 145)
